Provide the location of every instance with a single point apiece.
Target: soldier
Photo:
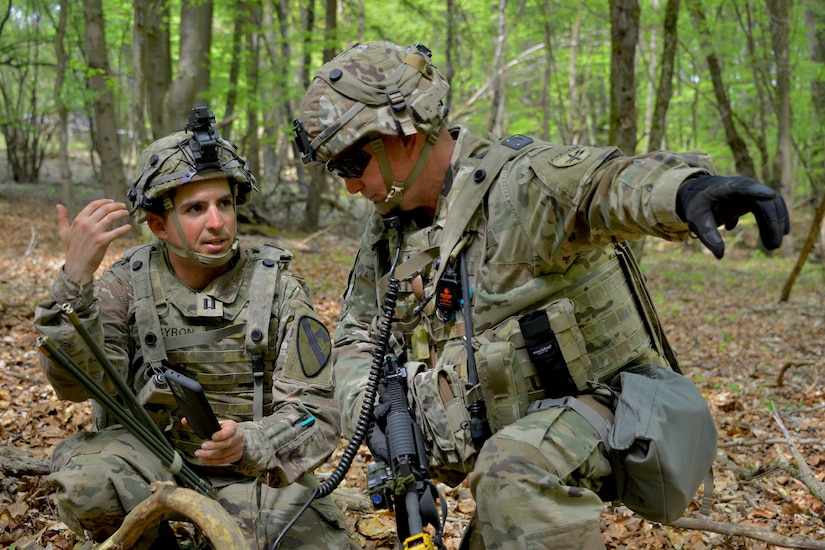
(188, 302)
(516, 246)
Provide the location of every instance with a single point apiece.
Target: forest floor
(758, 361)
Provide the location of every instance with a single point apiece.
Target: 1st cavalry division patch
(314, 346)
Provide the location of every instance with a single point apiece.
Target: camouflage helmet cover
(169, 162)
(371, 89)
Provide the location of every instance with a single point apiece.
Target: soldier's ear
(157, 225)
(411, 145)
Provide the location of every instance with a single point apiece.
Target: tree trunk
(317, 177)
(576, 124)
(670, 39)
(815, 23)
(192, 74)
(234, 71)
(450, 41)
(813, 234)
(762, 80)
(157, 56)
(624, 31)
(138, 109)
(742, 159)
(66, 187)
(252, 144)
(303, 75)
(779, 14)
(498, 110)
(277, 46)
(650, 95)
(111, 166)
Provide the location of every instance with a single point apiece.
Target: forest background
(743, 81)
(86, 85)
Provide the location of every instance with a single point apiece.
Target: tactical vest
(224, 342)
(597, 306)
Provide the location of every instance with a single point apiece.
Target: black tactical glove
(376, 437)
(707, 202)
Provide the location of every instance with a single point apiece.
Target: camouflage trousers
(100, 476)
(535, 483)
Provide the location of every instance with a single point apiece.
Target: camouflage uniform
(101, 475)
(530, 236)
(545, 231)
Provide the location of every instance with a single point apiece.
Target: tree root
(206, 513)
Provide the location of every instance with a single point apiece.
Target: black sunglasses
(353, 162)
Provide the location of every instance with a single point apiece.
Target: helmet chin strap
(395, 189)
(204, 259)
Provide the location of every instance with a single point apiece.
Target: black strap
(544, 350)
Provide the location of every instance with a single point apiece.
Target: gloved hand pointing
(707, 202)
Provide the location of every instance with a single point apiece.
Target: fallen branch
(318, 233)
(799, 467)
(750, 531)
(29, 249)
(773, 441)
(19, 466)
(786, 366)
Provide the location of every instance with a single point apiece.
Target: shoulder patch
(517, 141)
(565, 170)
(314, 346)
(570, 156)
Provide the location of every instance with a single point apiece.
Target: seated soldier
(186, 302)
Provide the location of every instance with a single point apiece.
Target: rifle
(407, 475)
(405, 485)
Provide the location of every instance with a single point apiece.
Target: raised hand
(87, 237)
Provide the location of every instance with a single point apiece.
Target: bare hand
(88, 236)
(225, 447)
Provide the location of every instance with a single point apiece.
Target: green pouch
(156, 397)
(502, 383)
(663, 441)
(571, 342)
(441, 411)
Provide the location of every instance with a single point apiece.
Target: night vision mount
(204, 140)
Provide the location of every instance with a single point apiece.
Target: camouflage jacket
(281, 446)
(545, 228)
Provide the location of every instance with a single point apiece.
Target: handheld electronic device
(193, 404)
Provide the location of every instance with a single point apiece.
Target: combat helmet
(370, 90)
(196, 154)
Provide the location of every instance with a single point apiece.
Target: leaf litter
(751, 356)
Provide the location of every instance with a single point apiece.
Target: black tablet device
(193, 404)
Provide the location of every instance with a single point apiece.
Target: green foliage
(555, 58)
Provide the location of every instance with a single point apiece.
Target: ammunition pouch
(509, 374)
(441, 401)
(502, 383)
